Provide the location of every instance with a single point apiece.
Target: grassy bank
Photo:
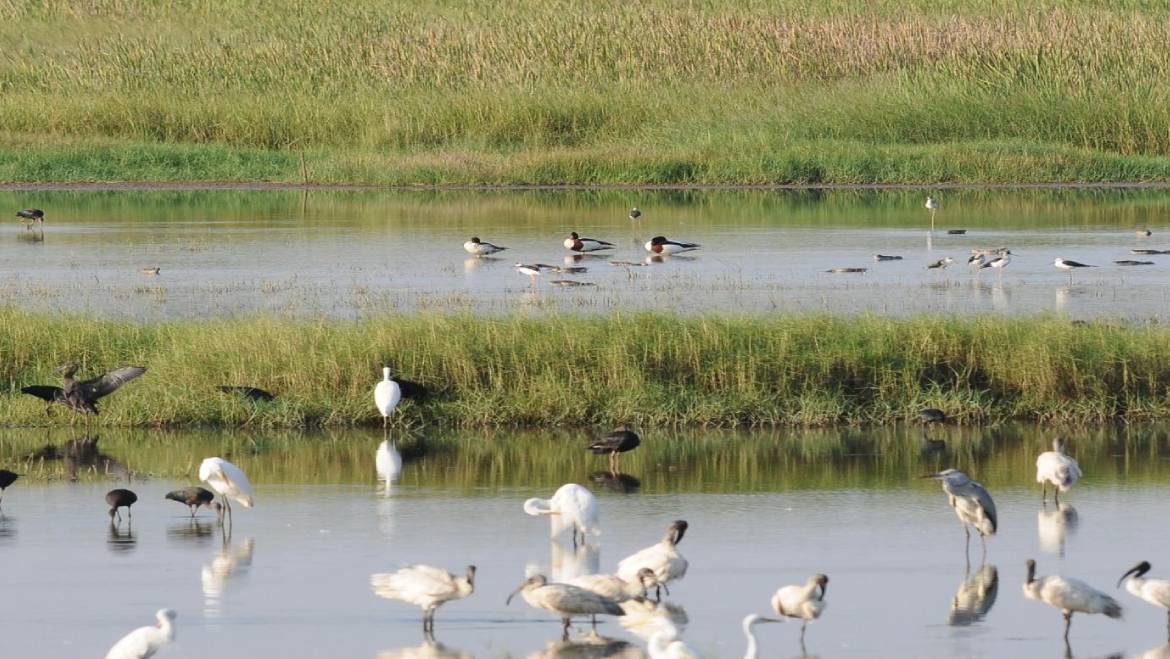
(568, 91)
(572, 371)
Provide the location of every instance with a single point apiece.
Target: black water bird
(6, 478)
(193, 497)
(30, 216)
(120, 498)
(932, 415)
(82, 396)
(254, 394)
(619, 441)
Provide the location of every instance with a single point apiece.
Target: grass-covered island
(652, 370)
(585, 92)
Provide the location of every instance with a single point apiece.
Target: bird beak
(1126, 575)
(509, 600)
(768, 620)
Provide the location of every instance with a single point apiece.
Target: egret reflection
(1054, 525)
(975, 597)
(228, 563)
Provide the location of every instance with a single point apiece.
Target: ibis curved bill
(1152, 591)
(663, 558)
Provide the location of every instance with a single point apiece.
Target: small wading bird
(529, 270)
(1129, 262)
(193, 497)
(1143, 233)
(843, 271)
(932, 205)
(635, 213)
(614, 587)
(229, 481)
(753, 646)
(82, 396)
(480, 248)
(254, 394)
(143, 642)
(424, 586)
(579, 244)
(972, 504)
(663, 558)
(1069, 595)
(6, 478)
(386, 396)
(120, 498)
(806, 602)
(998, 262)
(571, 507)
(1057, 468)
(1154, 591)
(30, 216)
(1149, 252)
(660, 245)
(565, 601)
(940, 264)
(1069, 265)
(151, 270)
(619, 441)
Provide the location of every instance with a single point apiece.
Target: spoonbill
(1068, 265)
(7, 478)
(1069, 595)
(424, 586)
(660, 245)
(388, 462)
(143, 642)
(619, 441)
(120, 498)
(806, 602)
(193, 497)
(614, 587)
(564, 600)
(571, 507)
(663, 558)
(932, 205)
(229, 481)
(1154, 591)
(386, 395)
(30, 216)
(1057, 468)
(82, 396)
(481, 248)
(579, 244)
(753, 646)
(972, 503)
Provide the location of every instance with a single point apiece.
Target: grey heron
(972, 503)
(1057, 468)
(1069, 595)
(424, 586)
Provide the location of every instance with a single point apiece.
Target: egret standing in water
(972, 503)
(143, 642)
(1057, 468)
(806, 602)
(386, 396)
(571, 507)
(1154, 591)
(424, 586)
(564, 600)
(663, 558)
(1069, 595)
(932, 205)
(229, 481)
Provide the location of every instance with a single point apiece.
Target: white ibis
(1057, 468)
(1069, 595)
(806, 601)
(424, 586)
(663, 558)
(614, 587)
(143, 642)
(1153, 591)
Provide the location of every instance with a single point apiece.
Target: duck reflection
(1054, 525)
(229, 562)
(121, 541)
(589, 646)
(476, 262)
(572, 562)
(975, 597)
(616, 482)
(645, 618)
(430, 649)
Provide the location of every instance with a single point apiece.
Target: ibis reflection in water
(1069, 595)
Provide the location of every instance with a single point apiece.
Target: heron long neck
(753, 649)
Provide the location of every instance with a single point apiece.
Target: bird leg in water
(567, 622)
(1044, 492)
(1056, 496)
(1067, 624)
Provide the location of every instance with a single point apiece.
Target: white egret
(806, 601)
(753, 646)
(661, 246)
(663, 558)
(579, 244)
(972, 503)
(644, 618)
(571, 507)
(388, 463)
(480, 248)
(1154, 591)
(143, 642)
(424, 586)
(975, 597)
(386, 396)
(564, 600)
(614, 587)
(932, 205)
(229, 481)
(1057, 468)
(1069, 595)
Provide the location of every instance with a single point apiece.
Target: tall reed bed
(576, 371)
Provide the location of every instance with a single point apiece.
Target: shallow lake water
(765, 509)
(353, 253)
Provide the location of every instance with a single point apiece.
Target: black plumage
(254, 394)
(120, 498)
(619, 441)
(932, 415)
(82, 396)
(193, 497)
(7, 478)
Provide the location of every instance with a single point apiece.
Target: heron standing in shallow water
(387, 395)
(972, 503)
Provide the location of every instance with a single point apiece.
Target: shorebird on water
(940, 264)
(635, 213)
(579, 244)
(480, 248)
(529, 270)
(999, 262)
(1069, 265)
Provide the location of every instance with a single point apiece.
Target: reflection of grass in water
(693, 461)
(654, 370)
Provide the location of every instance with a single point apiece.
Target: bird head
(1136, 571)
(821, 580)
(471, 575)
(658, 240)
(68, 369)
(676, 532)
(574, 235)
(535, 581)
(475, 240)
(165, 615)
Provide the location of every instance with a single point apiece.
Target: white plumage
(145, 641)
(753, 646)
(663, 558)
(424, 586)
(1069, 595)
(1057, 468)
(644, 618)
(663, 646)
(1154, 591)
(388, 462)
(806, 601)
(1054, 525)
(386, 395)
(480, 248)
(571, 507)
(228, 480)
(564, 600)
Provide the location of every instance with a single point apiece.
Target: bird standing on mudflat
(82, 396)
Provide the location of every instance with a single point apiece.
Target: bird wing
(1076, 595)
(44, 392)
(109, 383)
(564, 597)
(1157, 590)
(650, 557)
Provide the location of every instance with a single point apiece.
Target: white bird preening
(663, 558)
(805, 601)
(387, 395)
(388, 463)
(753, 646)
(972, 503)
(1154, 591)
(614, 587)
(480, 248)
(571, 507)
(932, 205)
(424, 586)
(564, 600)
(1069, 265)
(229, 481)
(1069, 595)
(143, 642)
(1057, 468)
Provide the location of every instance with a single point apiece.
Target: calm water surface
(352, 253)
(764, 509)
